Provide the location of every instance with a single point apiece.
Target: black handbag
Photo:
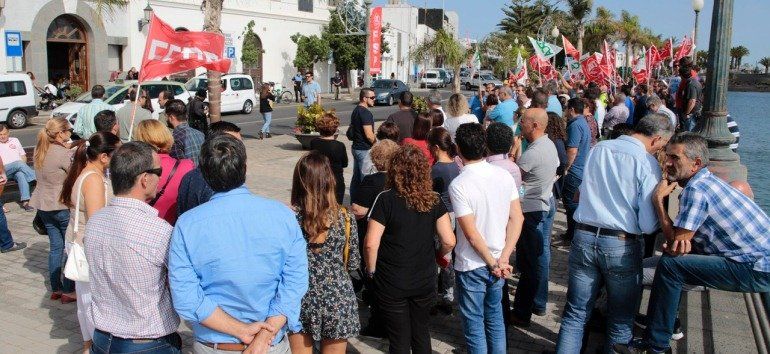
(37, 224)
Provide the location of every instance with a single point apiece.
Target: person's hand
(261, 343)
(251, 330)
(506, 269)
(663, 189)
(3, 179)
(677, 247)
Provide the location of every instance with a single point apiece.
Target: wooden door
(78, 62)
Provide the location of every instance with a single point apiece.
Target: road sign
(13, 44)
(230, 52)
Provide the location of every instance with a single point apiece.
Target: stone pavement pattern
(31, 323)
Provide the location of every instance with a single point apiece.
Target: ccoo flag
(543, 49)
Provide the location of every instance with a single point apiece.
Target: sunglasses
(370, 97)
(156, 171)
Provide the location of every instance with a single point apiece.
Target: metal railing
(757, 306)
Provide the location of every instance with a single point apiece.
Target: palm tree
(733, 57)
(630, 31)
(701, 58)
(602, 27)
(765, 62)
(741, 52)
(579, 11)
(444, 46)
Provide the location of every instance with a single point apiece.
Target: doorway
(67, 52)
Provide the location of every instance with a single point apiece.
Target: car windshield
(195, 83)
(382, 84)
(431, 75)
(85, 97)
(487, 77)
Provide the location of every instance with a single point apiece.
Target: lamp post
(723, 162)
(147, 16)
(554, 34)
(697, 5)
(367, 75)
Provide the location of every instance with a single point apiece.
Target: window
(306, 5)
(154, 90)
(176, 89)
(12, 88)
(246, 84)
(235, 84)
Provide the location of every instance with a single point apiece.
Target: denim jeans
(268, 117)
(105, 343)
(480, 294)
(6, 240)
(570, 188)
(688, 123)
(56, 222)
(596, 260)
(407, 321)
(358, 162)
(23, 174)
(533, 258)
(710, 271)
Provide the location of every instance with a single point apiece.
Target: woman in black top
(265, 99)
(399, 250)
(557, 132)
(332, 149)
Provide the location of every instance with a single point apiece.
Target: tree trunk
(766, 69)
(581, 32)
(212, 19)
(456, 79)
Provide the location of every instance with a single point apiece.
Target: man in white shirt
(655, 105)
(490, 223)
(15, 162)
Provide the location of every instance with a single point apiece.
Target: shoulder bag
(346, 249)
(163, 189)
(76, 267)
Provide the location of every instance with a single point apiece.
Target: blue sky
(751, 24)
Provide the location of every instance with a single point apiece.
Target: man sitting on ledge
(728, 233)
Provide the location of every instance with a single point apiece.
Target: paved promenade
(31, 323)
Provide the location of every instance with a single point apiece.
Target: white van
(17, 100)
(431, 79)
(238, 93)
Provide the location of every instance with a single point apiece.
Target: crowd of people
(444, 207)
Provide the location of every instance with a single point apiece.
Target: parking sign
(13, 44)
(230, 52)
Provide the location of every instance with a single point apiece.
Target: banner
(607, 62)
(569, 48)
(640, 71)
(168, 52)
(543, 49)
(543, 67)
(685, 49)
(592, 68)
(667, 50)
(520, 74)
(375, 40)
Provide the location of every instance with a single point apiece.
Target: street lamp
(147, 16)
(367, 74)
(697, 5)
(555, 32)
(723, 162)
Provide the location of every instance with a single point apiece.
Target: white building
(70, 38)
(404, 33)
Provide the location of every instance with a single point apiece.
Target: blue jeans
(594, 260)
(480, 294)
(688, 123)
(23, 174)
(56, 222)
(6, 240)
(710, 271)
(105, 343)
(570, 188)
(358, 162)
(268, 117)
(533, 259)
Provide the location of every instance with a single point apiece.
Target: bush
(307, 118)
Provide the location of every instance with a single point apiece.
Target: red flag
(569, 48)
(592, 68)
(543, 67)
(667, 50)
(607, 62)
(167, 52)
(375, 39)
(684, 49)
(653, 57)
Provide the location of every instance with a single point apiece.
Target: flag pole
(133, 111)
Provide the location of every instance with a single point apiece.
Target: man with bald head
(504, 111)
(538, 168)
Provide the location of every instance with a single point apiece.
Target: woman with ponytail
(86, 190)
(52, 162)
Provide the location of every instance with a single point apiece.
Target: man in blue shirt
(615, 209)
(725, 229)
(504, 111)
(237, 263)
(311, 90)
(553, 100)
(578, 145)
(626, 89)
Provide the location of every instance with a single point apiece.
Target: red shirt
(166, 204)
(423, 146)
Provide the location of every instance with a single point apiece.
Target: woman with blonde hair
(400, 251)
(52, 162)
(329, 311)
(86, 190)
(153, 132)
(457, 113)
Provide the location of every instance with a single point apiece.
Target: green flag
(543, 49)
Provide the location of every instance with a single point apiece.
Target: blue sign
(13, 44)
(230, 52)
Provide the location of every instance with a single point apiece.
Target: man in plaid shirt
(187, 140)
(728, 233)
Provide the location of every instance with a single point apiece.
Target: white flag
(543, 49)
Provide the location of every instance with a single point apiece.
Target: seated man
(15, 162)
(727, 230)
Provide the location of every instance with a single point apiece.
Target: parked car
(388, 91)
(17, 100)
(445, 76)
(116, 95)
(431, 79)
(481, 78)
(238, 93)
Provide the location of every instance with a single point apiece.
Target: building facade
(71, 38)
